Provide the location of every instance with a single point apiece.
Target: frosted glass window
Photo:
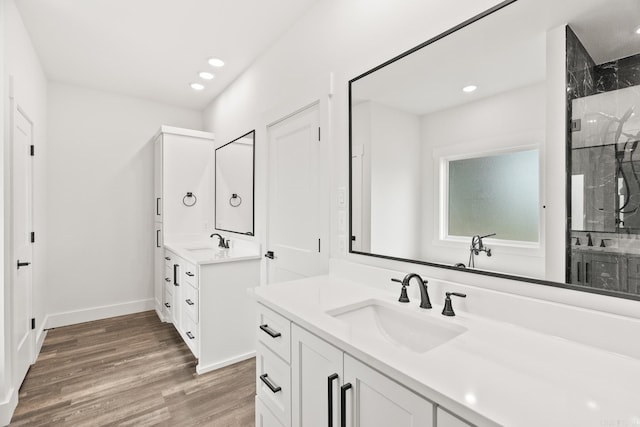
(495, 194)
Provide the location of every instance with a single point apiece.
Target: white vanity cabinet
(307, 386)
(183, 164)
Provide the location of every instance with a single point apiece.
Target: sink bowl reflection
(413, 331)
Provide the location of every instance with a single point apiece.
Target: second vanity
(204, 295)
(332, 351)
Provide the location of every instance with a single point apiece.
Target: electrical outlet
(342, 222)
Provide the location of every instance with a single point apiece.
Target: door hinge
(32, 150)
(33, 237)
(33, 323)
(318, 134)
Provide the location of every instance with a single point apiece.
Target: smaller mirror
(235, 163)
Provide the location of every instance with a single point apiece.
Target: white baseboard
(200, 369)
(96, 313)
(8, 406)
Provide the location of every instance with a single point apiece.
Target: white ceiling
(504, 51)
(153, 49)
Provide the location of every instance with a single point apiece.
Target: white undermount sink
(203, 250)
(414, 331)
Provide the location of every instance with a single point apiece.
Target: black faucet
(221, 242)
(448, 308)
(589, 241)
(425, 302)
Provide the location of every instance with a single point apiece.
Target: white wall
(346, 38)
(394, 153)
(21, 65)
(505, 120)
(100, 200)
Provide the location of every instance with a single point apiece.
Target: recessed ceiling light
(469, 89)
(215, 62)
(197, 86)
(205, 75)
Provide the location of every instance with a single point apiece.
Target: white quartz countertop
(494, 373)
(207, 252)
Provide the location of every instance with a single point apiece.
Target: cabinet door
(264, 417)
(158, 268)
(603, 271)
(373, 400)
(157, 179)
(445, 419)
(316, 374)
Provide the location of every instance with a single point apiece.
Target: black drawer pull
(190, 335)
(166, 304)
(167, 258)
(175, 274)
(158, 239)
(273, 387)
(330, 379)
(158, 206)
(190, 274)
(271, 332)
(343, 404)
(188, 301)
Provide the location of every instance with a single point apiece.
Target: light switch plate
(342, 197)
(342, 222)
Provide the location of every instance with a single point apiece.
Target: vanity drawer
(190, 301)
(190, 333)
(191, 274)
(274, 331)
(168, 302)
(273, 383)
(264, 417)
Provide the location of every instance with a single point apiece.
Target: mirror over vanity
(234, 194)
(452, 161)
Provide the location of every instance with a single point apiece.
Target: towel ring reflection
(234, 196)
(189, 195)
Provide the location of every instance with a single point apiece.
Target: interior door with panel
(370, 399)
(316, 377)
(21, 243)
(294, 226)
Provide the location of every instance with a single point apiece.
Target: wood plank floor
(130, 371)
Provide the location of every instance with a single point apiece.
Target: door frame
(324, 184)
(14, 109)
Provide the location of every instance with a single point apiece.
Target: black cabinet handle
(157, 238)
(343, 404)
(271, 332)
(330, 380)
(166, 304)
(175, 274)
(167, 258)
(190, 335)
(157, 205)
(270, 255)
(23, 264)
(579, 268)
(273, 387)
(166, 279)
(188, 301)
(587, 273)
(190, 274)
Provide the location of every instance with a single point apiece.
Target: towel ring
(189, 195)
(234, 196)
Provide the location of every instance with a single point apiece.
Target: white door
(295, 243)
(316, 374)
(22, 214)
(373, 400)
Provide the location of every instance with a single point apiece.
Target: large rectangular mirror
(234, 210)
(449, 150)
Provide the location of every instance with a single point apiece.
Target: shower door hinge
(33, 323)
(32, 150)
(576, 125)
(33, 237)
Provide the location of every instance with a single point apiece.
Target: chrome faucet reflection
(425, 302)
(221, 243)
